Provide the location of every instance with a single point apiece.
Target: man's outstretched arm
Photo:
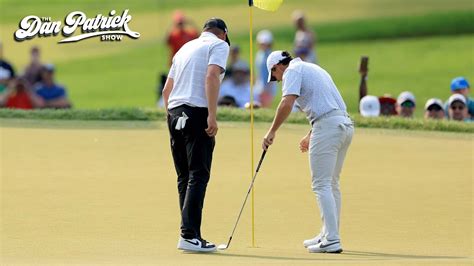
(282, 113)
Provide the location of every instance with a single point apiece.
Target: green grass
(116, 114)
(125, 80)
(106, 75)
(12, 10)
(424, 66)
(226, 114)
(435, 24)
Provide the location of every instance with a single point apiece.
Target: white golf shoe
(196, 244)
(326, 246)
(312, 241)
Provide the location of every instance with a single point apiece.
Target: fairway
(93, 193)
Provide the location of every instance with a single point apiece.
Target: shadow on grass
(364, 255)
(398, 256)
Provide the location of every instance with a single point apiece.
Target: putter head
(222, 247)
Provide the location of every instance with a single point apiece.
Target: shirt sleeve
(291, 84)
(218, 55)
(171, 74)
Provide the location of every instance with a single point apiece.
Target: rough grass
(424, 66)
(110, 75)
(435, 24)
(227, 114)
(12, 10)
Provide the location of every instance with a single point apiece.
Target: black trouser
(192, 154)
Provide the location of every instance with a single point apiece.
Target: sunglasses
(434, 107)
(408, 104)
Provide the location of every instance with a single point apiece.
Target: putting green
(105, 192)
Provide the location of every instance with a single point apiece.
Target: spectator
(406, 104)
(21, 95)
(53, 95)
(234, 57)
(460, 85)
(434, 109)
(266, 90)
(457, 108)
(387, 105)
(304, 39)
(7, 73)
(237, 87)
(33, 70)
(369, 106)
(183, 31)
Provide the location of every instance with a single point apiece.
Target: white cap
(456, 97)
(369, 106)
(434, 101)
(274, 58)
(405, 96)
(264, 37)
(49, 67)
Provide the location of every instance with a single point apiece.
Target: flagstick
(251, 118)
(269, 5)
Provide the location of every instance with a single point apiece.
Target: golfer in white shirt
(314, 91)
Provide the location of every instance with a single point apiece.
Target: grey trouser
(330, 140)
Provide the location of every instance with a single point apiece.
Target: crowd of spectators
(458, 107)
(35, 87)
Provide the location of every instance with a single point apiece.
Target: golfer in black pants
(190, 95)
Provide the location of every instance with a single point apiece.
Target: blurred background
(413, 45)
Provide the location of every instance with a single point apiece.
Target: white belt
(332, 113)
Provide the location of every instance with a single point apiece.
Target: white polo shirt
(189, 69)
(316, 91)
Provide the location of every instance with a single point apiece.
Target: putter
(226, 246)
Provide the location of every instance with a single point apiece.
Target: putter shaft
(246, 197)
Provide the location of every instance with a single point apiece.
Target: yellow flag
(269, 5)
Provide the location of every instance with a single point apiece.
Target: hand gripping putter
(226, 246)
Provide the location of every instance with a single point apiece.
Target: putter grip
(261, 160)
